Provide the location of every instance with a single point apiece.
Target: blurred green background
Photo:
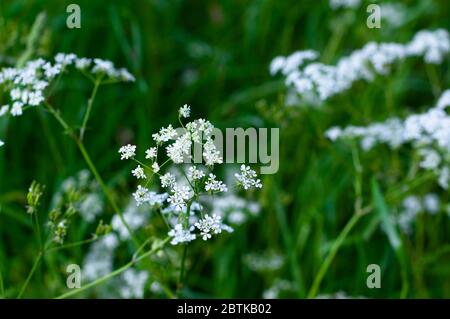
(215, 55)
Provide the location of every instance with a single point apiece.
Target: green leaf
(386, 220)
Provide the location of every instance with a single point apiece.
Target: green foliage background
(226, 48)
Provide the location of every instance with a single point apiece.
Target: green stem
(183, 262)
(89, 108)
(2, 287)
(105, 189)
(30, 274)
(38, 230)
(71, 245)
(93, 169)
(114, 273)
(332, 253)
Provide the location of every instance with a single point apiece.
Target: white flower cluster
(279, 287)
(267, 261)
(414, 205)
(428, 132)
(99, 259)
(336, 4)
(248, 178)
(133, 284)
(209, 225)
(181, 199)
(26, 86)
(235, 210)
(180, 235)
(318, 80)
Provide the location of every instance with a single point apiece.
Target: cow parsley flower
(179, 197)
(155, 167)
(187, 187)
(428, 133)
(336, 4)
(213, 185)
(248, 178)
(138, 172)
(167, 180)
(318, 81)
(185, 111)
(209, 225)
(195, 174)
(150, 153)
(180, 235)
(26, 86)
(127, 151)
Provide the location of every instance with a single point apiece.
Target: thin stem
(183, 258)
(71, 245)
(105, 189)
(89, 108)
(180, 278)
(38, 230)
(92, 167)
(2, 287)
(332, 253)
(30, 274)
(114, 273)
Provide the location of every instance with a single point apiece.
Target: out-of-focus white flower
(185, 111)
(427, 132)
(195, 173)
(324, 81)
(336, 4)
(414, 205)
(180, 235)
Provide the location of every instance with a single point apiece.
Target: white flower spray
(428, 133)
(181, 197)
(317, 82)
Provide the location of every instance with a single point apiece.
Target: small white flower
(209, 225)
(155, 167)
(179, 197)
(185, 111)
(51, 71)
(213, 185)
(195, 173)
(167, 180)
(141, 195)
(180, 235)
(82, 63)
(2, 143)
(3, 110)
(211, 154)
(138, 172)
(444, 177)
(127, 151)
(103, 66)
(165, 134)
(150, 153)
(125, 75)
(16, 109)
(248, 178)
